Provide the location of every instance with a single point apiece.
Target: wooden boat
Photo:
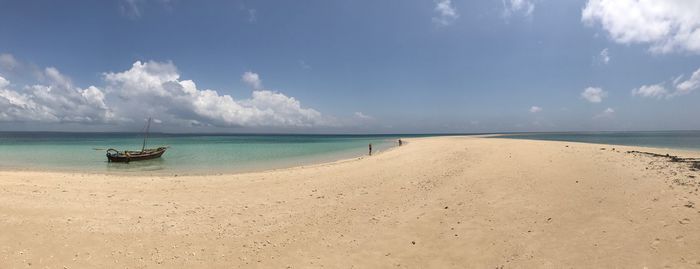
(126, 156)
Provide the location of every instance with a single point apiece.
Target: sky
(319, 66)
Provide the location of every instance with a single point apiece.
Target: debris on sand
(694, 163)
(690, 204)
(695, 166)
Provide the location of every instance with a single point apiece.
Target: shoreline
(277, 167)
(679, 151)
(438, 202)
(332, 161)
(533, 136)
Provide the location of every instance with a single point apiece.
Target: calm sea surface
(188, 153)
(689, 140)
(206, 154)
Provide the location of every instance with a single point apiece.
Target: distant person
(370, 149)
(400, 142)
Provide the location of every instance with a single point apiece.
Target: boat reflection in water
(152, 165)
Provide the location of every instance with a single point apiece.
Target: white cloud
(8, 62)
(594, 94)
(605, 56)
(4, 83)
(59, 101)
(154, 88)
(446, 13)
(524, 7)
(151, 89)
(252, 79)
(606, 114)
(667, 26)
(535, 109)
(682, 87)
(362, 116)
(685, 87)
(57, 78)
(656, 91)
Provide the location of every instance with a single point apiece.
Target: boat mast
(146, 135)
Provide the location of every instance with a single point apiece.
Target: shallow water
(188, 153)
(687, 140)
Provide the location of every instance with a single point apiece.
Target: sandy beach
(439, 202)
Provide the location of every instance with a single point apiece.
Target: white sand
(443, 202)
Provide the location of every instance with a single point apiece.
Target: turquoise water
(688, 140)
(188, 153)
(208, 154)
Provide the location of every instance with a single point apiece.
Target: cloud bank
(667, 26)
(59, 101)
(151, 89)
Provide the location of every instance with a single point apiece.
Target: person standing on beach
(370, 149)
(400, 142)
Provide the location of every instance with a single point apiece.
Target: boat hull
(130, 156)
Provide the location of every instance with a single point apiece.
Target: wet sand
(440, 202)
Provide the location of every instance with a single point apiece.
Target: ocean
(224, 153)
(188, 153)
(686, 140)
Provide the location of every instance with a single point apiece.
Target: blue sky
(350, 66)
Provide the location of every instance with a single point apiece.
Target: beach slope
(439, 202)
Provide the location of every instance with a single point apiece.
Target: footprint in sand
(655, 243)
(684, 221)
